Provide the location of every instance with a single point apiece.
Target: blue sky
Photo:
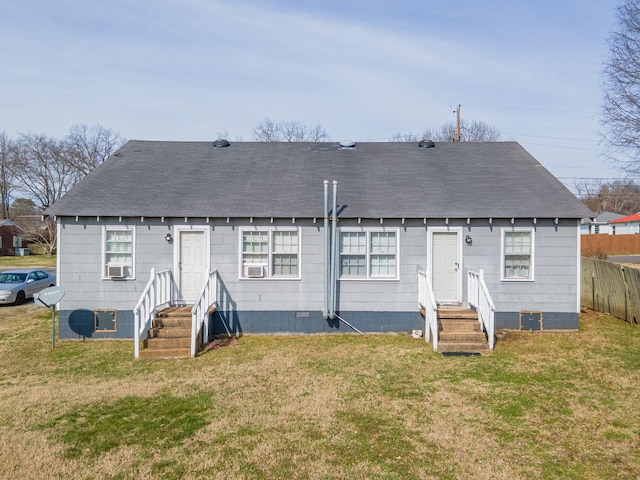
(191, 69)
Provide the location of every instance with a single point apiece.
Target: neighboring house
(599, 224)
(255, 212)
(625, 225)
(11, 238)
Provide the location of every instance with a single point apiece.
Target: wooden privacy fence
(610, 288)
(601, 245)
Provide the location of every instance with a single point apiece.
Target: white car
(19, 284)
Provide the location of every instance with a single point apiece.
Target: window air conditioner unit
(116, 271)
(254, 271)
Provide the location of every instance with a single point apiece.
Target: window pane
(353, 266)
(517, 243)
(517, 254)
(118, 248)
(383, 265)
(285, 265)
(517, 266)
(353, 242)
(276, 250)
(255, 242)
(353, 258)
(383, 242)
(285, 242)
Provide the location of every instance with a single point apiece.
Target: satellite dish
(49, 296)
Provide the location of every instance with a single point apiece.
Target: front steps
(459, 332)
(170, 335)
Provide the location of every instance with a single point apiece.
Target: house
(625, 225)
(11, 242)
(316, 237)
(599, 224)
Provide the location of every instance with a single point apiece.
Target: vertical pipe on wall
(333, 269)
(327, 263)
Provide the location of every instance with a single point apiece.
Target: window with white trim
(517, 254)
(270, 253)
(370, 254)
(118, 253)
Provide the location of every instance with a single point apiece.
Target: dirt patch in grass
(543, 405)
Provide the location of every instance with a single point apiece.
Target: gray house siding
(295, 305)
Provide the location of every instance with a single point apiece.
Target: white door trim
(177, 249)
(447, 229)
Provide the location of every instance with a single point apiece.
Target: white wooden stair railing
(159, 292)
(479, 298)
(200, 312)
(427, 302)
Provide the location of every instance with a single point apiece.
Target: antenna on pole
(457, 110)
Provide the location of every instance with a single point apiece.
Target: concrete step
(159, 332)
(174, 312)
(172, 322)
(460, 332)
(451, 325)
(170, 334)
(174, 352)
(457, 313)
(463, 347)
(167, 342)
(461, 337)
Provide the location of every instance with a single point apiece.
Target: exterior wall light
(168, 237)
(468, 240)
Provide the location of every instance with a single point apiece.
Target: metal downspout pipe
(333, 270)
(327, 262)
(330, 269)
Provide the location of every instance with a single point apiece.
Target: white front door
(446, 271)
(192, 264)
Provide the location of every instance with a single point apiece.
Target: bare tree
(88, 147)
(620, 196)
(404, 137)
(40, 231)
(269, 131)
(22, 207)
(43, 169)
(473, 131)
(478, 131)
(621, 106)
(7, 174)
(36, 229)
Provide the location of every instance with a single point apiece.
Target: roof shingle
(375, 180)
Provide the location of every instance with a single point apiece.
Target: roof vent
(347, 145)
(426, 144)
(221, 143)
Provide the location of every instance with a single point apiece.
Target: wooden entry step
(170, 334)
(460, 332)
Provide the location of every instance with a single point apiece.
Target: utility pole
(457, 138)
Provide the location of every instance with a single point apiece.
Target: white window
(369, 254)
(270, 253)
(118, 253)
(517, 254)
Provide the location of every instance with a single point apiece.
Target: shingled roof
(375, 180)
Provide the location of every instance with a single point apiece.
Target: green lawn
(27, 261)
(543, 405)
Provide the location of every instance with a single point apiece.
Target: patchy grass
(543, 405)
(27, 261)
